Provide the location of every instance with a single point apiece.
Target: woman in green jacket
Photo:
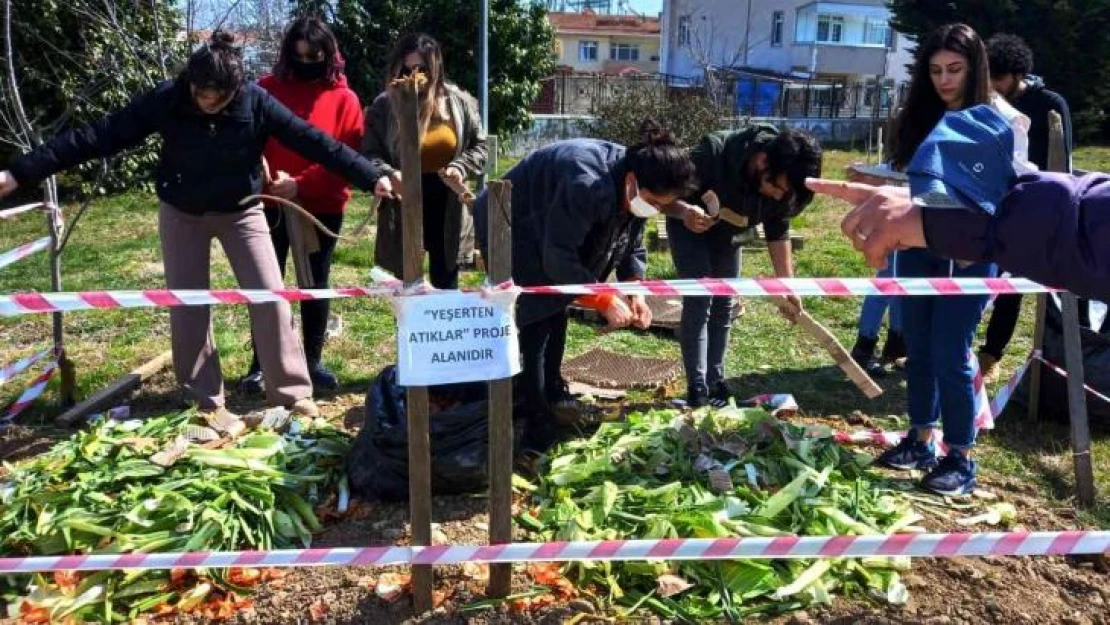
(453, 146)
(758, 176)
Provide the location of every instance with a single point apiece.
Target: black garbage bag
(1095, 344)
(377, 465)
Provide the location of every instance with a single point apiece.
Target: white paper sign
(450, 337)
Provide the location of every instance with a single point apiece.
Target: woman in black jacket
(214, 126)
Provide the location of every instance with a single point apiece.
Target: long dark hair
(659, 164)
(319, 38)
(431, 106)
(216, 65)
(924, 107)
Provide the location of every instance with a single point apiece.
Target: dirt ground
(943, 592)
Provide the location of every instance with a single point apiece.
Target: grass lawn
(116, 247)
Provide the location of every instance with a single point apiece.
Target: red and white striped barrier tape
(998, 404)
(8, 213)
(23, 251)
(1064, 374)
(21, 365)
(24, 303)
(31, 394)
(780, 547)
(988, 412)
(825, 287)
(984, 415)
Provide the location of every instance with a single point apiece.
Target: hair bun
(652, 134)
(221, 39)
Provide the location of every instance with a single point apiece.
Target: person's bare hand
(8, 183)
(641, 312)
(790, 307)
(694, 218)
(389, 187)
(884, 219)
(285, 186)
(454, 174)
(618, 314)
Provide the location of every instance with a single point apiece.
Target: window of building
(776, 28)
(587, 50)
(830, 28)
(624, 52)
(876, 32)
(684, 30)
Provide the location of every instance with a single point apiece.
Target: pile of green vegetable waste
(714, 474)
(168, 484)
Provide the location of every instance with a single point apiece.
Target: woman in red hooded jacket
(309, 80)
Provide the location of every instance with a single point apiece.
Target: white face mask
(640, 207)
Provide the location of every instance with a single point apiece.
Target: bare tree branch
(226, 15)
(158, 36)
(24, 127)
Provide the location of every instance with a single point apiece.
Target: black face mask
(308, 71)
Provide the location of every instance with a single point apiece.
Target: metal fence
(742, 95)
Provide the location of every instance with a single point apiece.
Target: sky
(647, 7)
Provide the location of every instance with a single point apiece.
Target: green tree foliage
(78, 60)
(1069, 40)
(520, 52)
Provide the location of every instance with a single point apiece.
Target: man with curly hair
(1011, 66)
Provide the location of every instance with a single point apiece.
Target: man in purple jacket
(1051, 228)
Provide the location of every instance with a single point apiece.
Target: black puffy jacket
(207, 163)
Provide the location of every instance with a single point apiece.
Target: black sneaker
(697, 399)
(321, 377)
(863, 352)
(894, 349)
(955, 475)
(252, 383)
(720, 396)
(910, 453)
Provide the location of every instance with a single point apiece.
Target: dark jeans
(939, 332)
(443, 272)
(314, 313)
(542, 345)
(706, 321)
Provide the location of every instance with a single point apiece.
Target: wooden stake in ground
(412, 203)
(1035, 368)
(1073, 349)
(500, 239)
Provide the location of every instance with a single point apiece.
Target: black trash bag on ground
(1096, 363)
(377, 465)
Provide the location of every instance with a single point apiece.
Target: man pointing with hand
(1052, 228)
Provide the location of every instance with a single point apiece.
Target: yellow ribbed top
(438, 147)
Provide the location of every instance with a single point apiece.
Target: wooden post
(1073, 349)
(420, 469)
(1077, 403)
(500, 265)
(1036, 368)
